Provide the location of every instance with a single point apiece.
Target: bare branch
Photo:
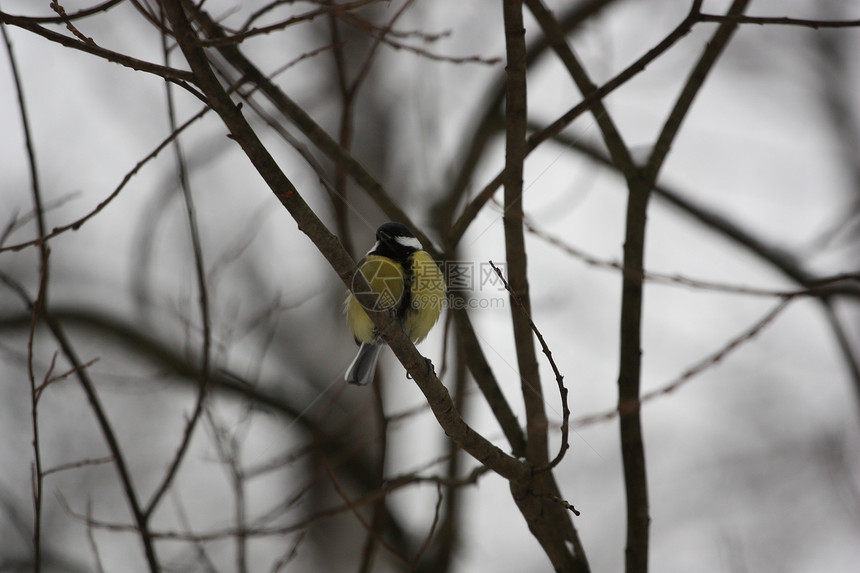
(180, 77)
(79, 15)
(56, 7)
(700, 72)
(562, 390)
(203, 300)
(776, 20)
(385, 34)
(49, 379)
(37, 308)
(246, 32)
(426, 543)
(141, 526)
(91, 540)
(515, 154)
(842, 283)
(689, 374)
(630, 329)
(75, 225)
(76, 465)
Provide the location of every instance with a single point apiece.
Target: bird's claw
(430, 367)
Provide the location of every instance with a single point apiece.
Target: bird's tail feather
(363, 366)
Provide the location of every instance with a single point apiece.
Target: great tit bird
(409, 285)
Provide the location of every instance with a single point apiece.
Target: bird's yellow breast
(428, 296)
(385, 277)
(425, 295)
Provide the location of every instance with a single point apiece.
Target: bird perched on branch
(409, 285)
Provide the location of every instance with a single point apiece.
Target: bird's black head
(395, 241)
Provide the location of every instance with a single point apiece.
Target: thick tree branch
(535, 495)
(630, 367)
(515, 154)
(694, 83)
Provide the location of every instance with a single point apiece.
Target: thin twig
(51, 379)
(384, 34)
(203, 558)
(693, 371)
(91, 540)
(562, 389)
(141, 526)
(203, 301)
(228, 447)
(773, 254)
(776, 20)
(842, 283)
(80, 14)
(245, 32)
(424, 53)
(17, 222)
(38, 307)
(75, 225)
(515, 252)
(79, 464)
(416, 561)
(565, 504)
(180, 77)
(61, 12)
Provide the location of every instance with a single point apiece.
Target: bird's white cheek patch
(409, 242)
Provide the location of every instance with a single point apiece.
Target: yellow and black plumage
(409, 284)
